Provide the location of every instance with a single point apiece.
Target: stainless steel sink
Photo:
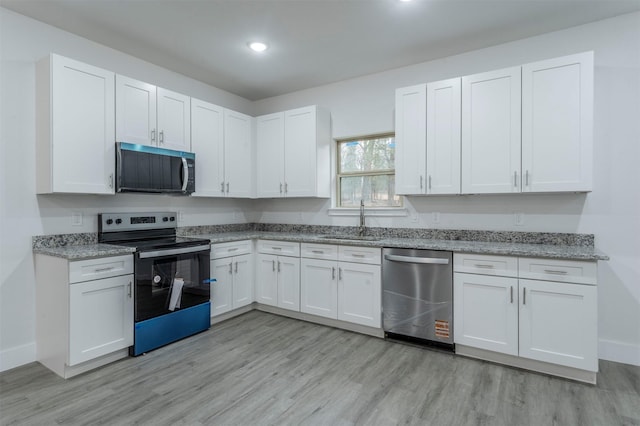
(350, 237)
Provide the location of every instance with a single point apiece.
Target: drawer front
(504, 266)
(569, 271)
(104, 267)
(371, 255)
(283, 248)
(234, 248)
(319, 251)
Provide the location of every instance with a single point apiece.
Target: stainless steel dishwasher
(417, 296)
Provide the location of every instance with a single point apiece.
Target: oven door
(171, 279)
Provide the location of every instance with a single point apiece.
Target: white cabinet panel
(174, 120)
(222, 288)
(443, 137)
(485, 264)
(207, 141)
(411, 138)
(135, 111)
(571, 271)
(286, 248)
(372, 255)
(289, 283)
(359, 294)
(559, 324)
(486, 312)
(267, 279)
(233, 248)
(557, 124)
(319, 288)
(270, 154)
(491, 139)
(242, 280)
(75, 127)
(238, 149)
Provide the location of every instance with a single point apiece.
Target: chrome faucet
(362, 229)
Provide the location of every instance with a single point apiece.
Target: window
(366, 171)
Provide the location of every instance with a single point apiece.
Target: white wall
(365, 105)
(23, 214)
(359, 106)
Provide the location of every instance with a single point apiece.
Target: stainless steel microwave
(143, 168)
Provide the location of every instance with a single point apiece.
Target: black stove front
(172, 284)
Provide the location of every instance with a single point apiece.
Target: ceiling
(312, 42)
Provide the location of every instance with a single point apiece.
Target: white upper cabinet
(443, 137)
(207, 141)
(294, 153)
(411, 139)
(270, 155)
(150, 115)
(238, 147)
(557, 124)
(491, 132)
(75, 127)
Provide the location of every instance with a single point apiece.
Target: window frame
(381, 172)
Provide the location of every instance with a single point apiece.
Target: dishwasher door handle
(412, 259)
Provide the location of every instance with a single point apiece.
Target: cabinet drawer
(234, 248)
(104, 267)
(283, 248)
(570, 271)
(319, 251)
(370, 255)
(505, 266)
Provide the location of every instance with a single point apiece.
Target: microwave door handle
(185, 174)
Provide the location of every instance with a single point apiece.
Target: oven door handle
(171, 252)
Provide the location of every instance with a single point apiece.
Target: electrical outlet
(76, 218)
(180, 217)
(435, 217)
(518, 219)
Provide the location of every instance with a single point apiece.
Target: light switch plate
(76, 218)
(518, 219)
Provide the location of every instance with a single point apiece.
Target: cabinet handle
(555, 272)
(421, 179)
(236, 271)
(317, 251)
(222, 187)
(129, 290)
(340, 274)
(231, 267)
(526, 178)
(161, 138)
(515, 179)
(273, 265)
(512, 294)
(278, 266)
(333, 273)
(483, 266)
(429, 182)
(281, 187)
(276, 248)
(286, 187)
(153, 135)
(524, 295)
(111, 180)
(227, 187)
(103, 269)
(357, 255)
(232, 249)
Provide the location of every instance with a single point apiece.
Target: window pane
(367, 154)
(379, 191)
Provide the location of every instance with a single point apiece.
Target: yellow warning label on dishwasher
(442, 328)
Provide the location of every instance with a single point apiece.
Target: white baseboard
(15, 357)
(624, 353)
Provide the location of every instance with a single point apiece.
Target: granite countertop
(483, 247)
(84, 251)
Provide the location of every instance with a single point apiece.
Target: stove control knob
(118, 221)
(109, 221)
(172, 219)
(165, 219)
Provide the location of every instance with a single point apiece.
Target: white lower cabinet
(278, 277)
(233, 287)
(553, 320)
(337, 289)
(84, 312)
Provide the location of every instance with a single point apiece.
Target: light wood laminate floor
(260, 369)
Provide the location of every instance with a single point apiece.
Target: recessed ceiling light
(257, 46)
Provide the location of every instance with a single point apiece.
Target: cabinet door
(289, 283)
(174, 120)
(83, 128)
(270, 158)
(359, 294)
(100, 317)
(491, 132)
(135, 111)
(237, 154)
(267, 279)
(207, 141)
(319, 288)
(485, 312)
(559, 323)
(242, 280)
(557, 124)
(443, 137)
(411, 139)
(222, 288)
(300, 152)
